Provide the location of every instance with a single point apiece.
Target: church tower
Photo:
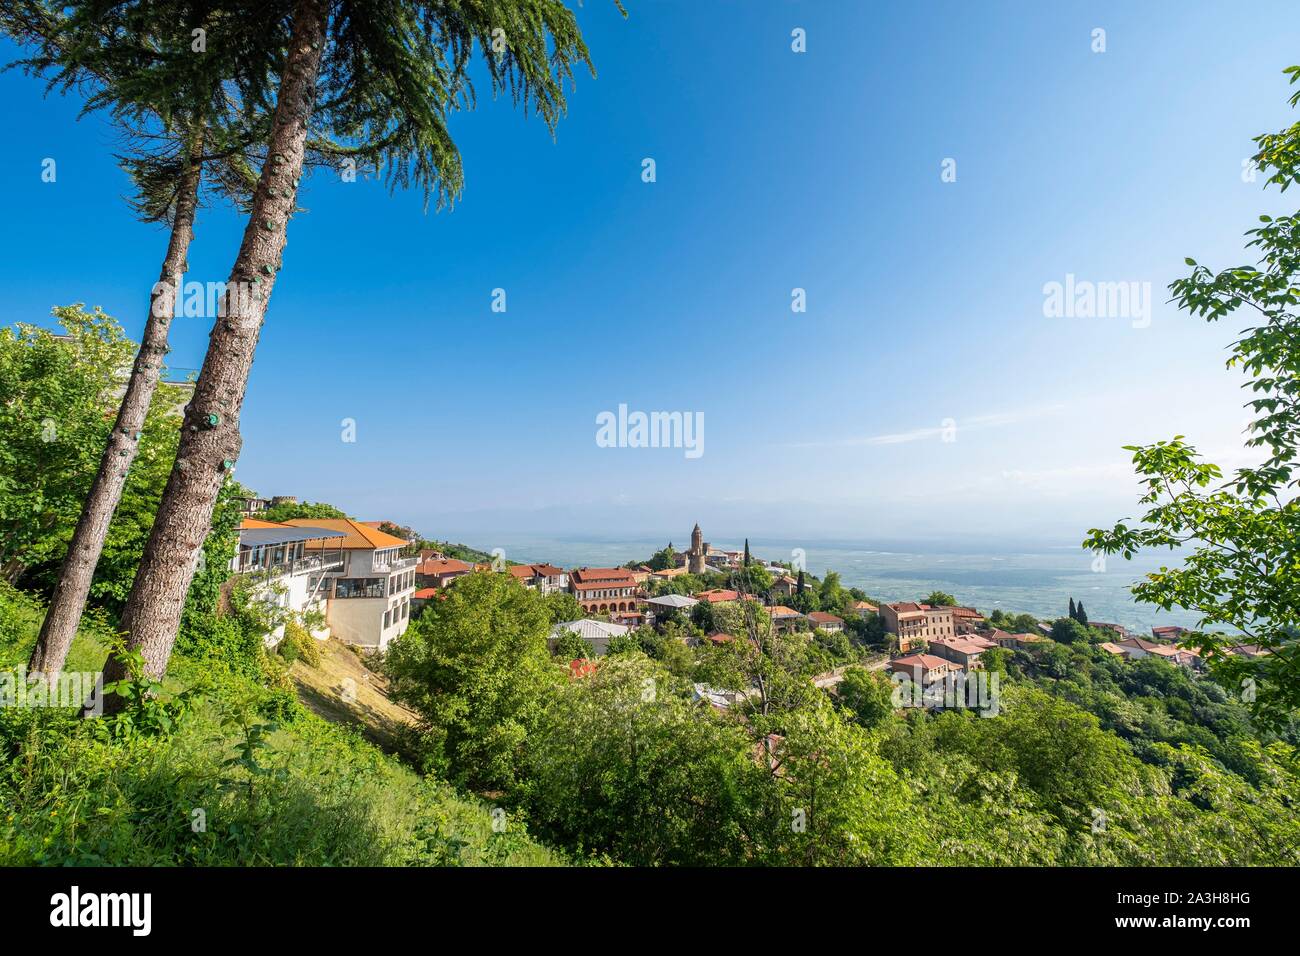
(695, 556)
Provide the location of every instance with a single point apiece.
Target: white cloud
(993, 420)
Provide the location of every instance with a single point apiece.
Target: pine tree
(1083, 615)
(799, 586)
(388, 75)
(1074, 614)
(173, 105)
(746, 552)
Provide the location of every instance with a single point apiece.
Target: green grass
(313, 793)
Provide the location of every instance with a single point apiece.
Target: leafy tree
(56, 400)
(868, 695)
(475, 668)
(832, 593)
(1057, 749)
(621, 764)
(833, 799)
(1236, 536)
(289, 510)
(562, 606)
(754, 579)
(663, 559)
(571, 647)
(1069, 631)
(940, 598)
(702, 617)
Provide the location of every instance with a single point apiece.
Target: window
(359, 588)
(387, 621)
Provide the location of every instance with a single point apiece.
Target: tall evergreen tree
(799, 586)
(389, 73)
(746, 552)
(1082, 616)
(1074, 614)
(186, 83)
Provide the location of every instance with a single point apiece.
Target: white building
(543, 578)
(288, 573)
(368, 596)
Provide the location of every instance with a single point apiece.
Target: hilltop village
(363, 581)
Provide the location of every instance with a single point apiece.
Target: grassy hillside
(245, 777)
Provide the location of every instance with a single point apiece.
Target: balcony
(397, 564)
(307, 563)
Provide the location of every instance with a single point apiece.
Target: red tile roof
(717, 596)
(581, 668)
(601, 574)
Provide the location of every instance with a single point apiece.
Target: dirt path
(342, 689)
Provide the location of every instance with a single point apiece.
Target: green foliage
(868, 696)
(1236, 536)
(620, 765)
(216, 784)
(940, 598)
(147, 712)
(289, 510)
(753, 579)
(56, 411)
(300, 644)
(571, 647)
(663, 559)
(1067, 630)
(562, 606)
(55, 415)
(474, 667)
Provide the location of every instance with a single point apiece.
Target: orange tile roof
(669, 573)
(259, 523)
(442, 566)
(354, 533)
(823, 617)
(717, 595)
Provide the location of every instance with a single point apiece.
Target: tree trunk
(210, 440)
(78, 570)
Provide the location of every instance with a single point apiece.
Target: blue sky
(775, 170)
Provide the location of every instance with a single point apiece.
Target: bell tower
(695, 556)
